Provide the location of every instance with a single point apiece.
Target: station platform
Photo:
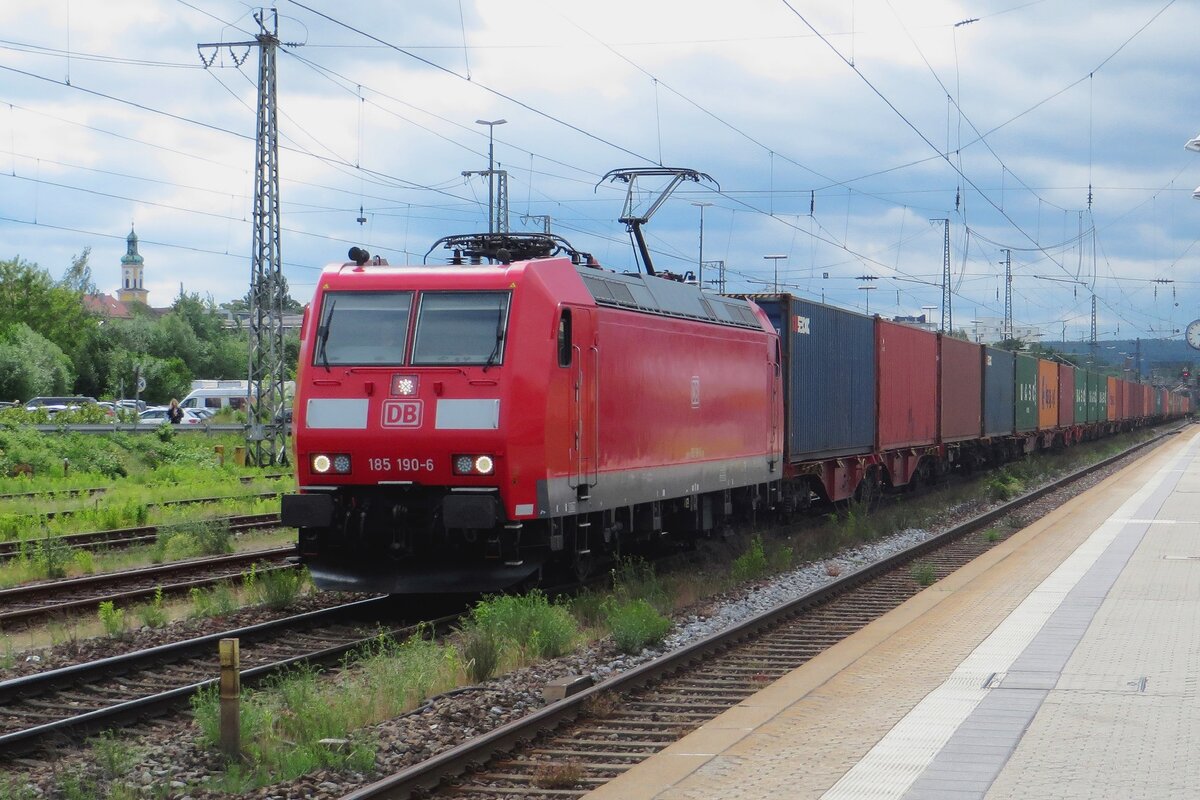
(1063, 663)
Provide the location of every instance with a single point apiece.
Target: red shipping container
(960, 380)
(1066, 395)
(907, 385)
(1047, 394)
(1147, 401)
(1131, 398)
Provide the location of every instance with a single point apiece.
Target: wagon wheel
(867, 492)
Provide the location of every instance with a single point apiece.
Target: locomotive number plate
(400, 464)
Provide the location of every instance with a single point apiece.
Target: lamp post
(700, 261)
(868, 289)
(775, 262)
(491, 123)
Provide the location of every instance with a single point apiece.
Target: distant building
(132, 266)
(131, 290)
(990, 330)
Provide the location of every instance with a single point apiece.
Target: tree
(32, 365)
(78, 277)
(28, 295)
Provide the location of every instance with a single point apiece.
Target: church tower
(131, 272)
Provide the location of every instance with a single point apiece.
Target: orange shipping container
(1047, 394)
(1114, 399)
(1066, 395)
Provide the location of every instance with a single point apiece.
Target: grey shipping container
(829, 377)
(999, 396)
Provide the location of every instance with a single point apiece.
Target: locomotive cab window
(363, 328)
(564, 338)
(461, 328)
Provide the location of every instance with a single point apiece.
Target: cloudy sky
(834, 132)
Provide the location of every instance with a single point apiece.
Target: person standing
(174, 412)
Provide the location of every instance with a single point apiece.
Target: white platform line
(899, 758)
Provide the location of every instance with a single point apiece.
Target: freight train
(466, 426)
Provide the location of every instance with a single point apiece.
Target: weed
(587, 608)
(992, 535)
(557, 775)
(781, 559)
(481, 651)
(635, 624)
(1004, 486)
(152, 614)
(635, 578)
(13, 789)
(602, 706)
(277, 588)
(9, 660)
(219, 601)
(112, 618)
(52, 555)
(85, 562)
(529, 624)
(751, 564)
(113, 757)
(923, 573)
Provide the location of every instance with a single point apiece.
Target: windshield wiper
(491, 359)
(323, 336)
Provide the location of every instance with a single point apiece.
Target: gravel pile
(173, 765)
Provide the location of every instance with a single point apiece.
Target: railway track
(95, 490)
(25, 605)
(571, 746)
(192, 501)
(129, 537)
(45, 708)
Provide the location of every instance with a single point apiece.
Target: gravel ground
(172, 764)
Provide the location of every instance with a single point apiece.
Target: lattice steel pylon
(265, 424)
(947, 290)
(1008, 320)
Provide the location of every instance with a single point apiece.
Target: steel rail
(95, 490)
(192, 501)
(428, 774)
(33, 591)
(40, 683)
(127, 537)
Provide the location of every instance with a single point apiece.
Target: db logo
(402, 413)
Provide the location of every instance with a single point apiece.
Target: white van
(218, 395)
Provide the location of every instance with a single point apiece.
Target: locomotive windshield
(461, 328)
(358, 328)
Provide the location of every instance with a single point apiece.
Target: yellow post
(239, 456)
(220, 451)
(231, 692)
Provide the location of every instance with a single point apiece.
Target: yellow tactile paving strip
(797, 737)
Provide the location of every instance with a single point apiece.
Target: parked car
(58, 403)
(158, 416)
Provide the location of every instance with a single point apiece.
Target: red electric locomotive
(459, 427)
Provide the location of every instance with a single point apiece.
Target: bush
(751, 564)
(635, 625)
(529, 623)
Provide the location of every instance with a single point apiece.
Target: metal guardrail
(125, 427)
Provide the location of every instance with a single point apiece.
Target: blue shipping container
(999, 392)
(829, 377)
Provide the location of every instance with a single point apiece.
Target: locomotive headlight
(474, 465)
(404, 385)
(338, 463)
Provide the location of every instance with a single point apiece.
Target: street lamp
(868, 289)
(700, 262)
(491, 123)
(775, 262)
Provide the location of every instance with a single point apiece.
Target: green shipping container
(1097, 397)
(1082, 384)
(1027, 393)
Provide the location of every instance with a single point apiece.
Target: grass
(635, 624)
